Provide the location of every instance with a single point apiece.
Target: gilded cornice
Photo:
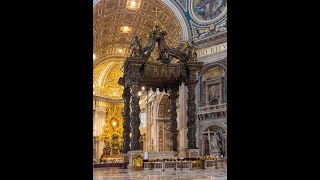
(105, 99)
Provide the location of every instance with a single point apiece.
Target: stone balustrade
(181, 165)
(213, 108)
(162, 165)
(212, 112)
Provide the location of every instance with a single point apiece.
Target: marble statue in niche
(216, 143)
(222, 141)
(214, 94)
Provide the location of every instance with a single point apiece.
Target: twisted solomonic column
(173, 118)
(191, 124)
(135, 119)
(126, 116)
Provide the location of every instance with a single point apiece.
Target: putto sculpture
(136, 47)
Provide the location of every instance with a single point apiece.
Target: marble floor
(125, 174)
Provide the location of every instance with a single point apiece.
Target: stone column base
(133, 157)
(125, 160)
(192, 153)
(176, 154)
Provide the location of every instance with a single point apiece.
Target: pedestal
(192, 153)
(176, 154)
(134, 155)
(203, 164)
(125, 160)
(163, 155)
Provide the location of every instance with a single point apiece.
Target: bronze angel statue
(136, 47)
(190, 50)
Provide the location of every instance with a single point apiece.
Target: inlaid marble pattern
(125, 174)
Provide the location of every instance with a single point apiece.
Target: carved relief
(213, 72)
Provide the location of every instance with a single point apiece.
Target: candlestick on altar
(221, 161)
(176, 160)
(216, 162)
(163, 164)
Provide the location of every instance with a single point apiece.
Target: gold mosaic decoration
(113, 90)
(113, 125)
(213, 72)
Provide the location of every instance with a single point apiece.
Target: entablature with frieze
(211, 41)
(105, 99)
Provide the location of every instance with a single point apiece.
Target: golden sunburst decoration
(113, 126)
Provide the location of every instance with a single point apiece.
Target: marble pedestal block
(133, 155)
(192, 153)
(125, 160)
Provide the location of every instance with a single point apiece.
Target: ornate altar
(172, 68)
(112, 134)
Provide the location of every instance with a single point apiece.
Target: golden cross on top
(156, 11)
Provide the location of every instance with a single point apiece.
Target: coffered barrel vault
(115, 23)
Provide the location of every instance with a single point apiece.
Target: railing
(213, 108)
(187, 165)
(161, 154)
(214, 163)
(168, 165)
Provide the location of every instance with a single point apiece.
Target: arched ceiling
(115, 22)
(199, 19)
(164, 106)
